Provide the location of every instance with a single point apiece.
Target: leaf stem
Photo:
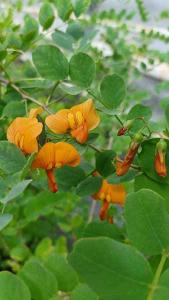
(157, 275)
(52, 92)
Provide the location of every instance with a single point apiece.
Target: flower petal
(66, 154)
(88, 110)
(117, 193)
(58, 122)
(55, 155)
(35, 111)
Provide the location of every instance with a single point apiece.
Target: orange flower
(79, 120)
(53, 156)
(109, 193)
(160, 158)
(23, 132)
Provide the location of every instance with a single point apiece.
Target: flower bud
(160, 158)
(125, 128)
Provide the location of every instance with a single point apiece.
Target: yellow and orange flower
(160, 158)
(110, 193)
(23, 132)
(52, 156)
(78, 120)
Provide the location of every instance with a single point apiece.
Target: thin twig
(23, 94)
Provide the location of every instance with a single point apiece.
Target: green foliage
(141, 211)
(106, 267)
(113, 91)
(5, 219)
(46, 15)
(85, 75)
(50, 62)
(142, 10)
(40, 281)
(16, 287)
(89, 186)
(64, 273)
(83, 292)
(104, 163)
(11, 158)
(80, 6)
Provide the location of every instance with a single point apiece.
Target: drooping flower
(78, 120)
(123, 167)
(23, 132)
(52, 156)
(160, 158)
(109, 193)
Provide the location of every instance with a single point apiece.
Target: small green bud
(161, 145)
(138, 138)
(129, 124)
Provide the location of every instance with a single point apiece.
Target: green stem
(118, 119)
(157, 276)
(52, 92)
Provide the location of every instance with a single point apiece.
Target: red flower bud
(123, 167)
(160, 158)
(125, 128)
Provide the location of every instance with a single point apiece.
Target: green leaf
(44, 248)
(63, 40)
(70, 89)
(114, 179)
(41, 205)
(64, 8)
(12, 287)
(104, 162)
(80, 6)
(30, 29)
(14, 109)
(89, 186)
(46, 15)
(113, 91)
(5, 219)
(146, 162)
(41, 282)
(83, 292)
(162, 290)
(75, 29)
(50, 62)
(147, 221)
(16, 191)
(65, 274)
(113, 270)
(20, 253)
(142, 181)
(68, 177)
(11, 158)
(82, 69)
(98, 229)
(27, 166)
(139, 110)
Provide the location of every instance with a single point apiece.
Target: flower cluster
(77, 121)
